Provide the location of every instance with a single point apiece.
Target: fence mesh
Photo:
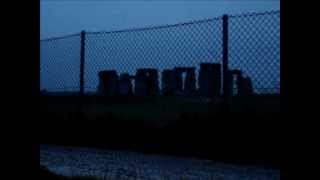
(165, 47)
(254, 49)
(60, 64)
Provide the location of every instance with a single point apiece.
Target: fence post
(225, 60)
(82, 61)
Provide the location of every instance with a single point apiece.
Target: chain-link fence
(163, 47)
(253, 50)
(59, 64)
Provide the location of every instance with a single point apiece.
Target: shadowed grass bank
(45, 174)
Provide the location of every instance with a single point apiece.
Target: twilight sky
(61, 17)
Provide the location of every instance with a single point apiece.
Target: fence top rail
(185, 23)
(154, 27)
(250, 14)
(60, 37)
(158, 26)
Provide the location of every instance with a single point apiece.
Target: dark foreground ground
(120, 165)
(46, 174)
(179, 127)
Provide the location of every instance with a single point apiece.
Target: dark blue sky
(60, 17)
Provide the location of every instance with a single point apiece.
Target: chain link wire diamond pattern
(165, 47)
(254, 48)
(60, 64)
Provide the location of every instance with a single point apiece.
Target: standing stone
(178, 81)
(108, 83)
(187, 85)
(146, 82)
(210, 79)
(245, 86)
(190, 81)
(168, 82)
(230, 79)
(125, 85)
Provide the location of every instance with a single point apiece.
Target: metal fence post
(225, 59)
(82, 61)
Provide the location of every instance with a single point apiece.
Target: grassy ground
(161, 111)
(193, 126)
(155, 112)
(45, 174)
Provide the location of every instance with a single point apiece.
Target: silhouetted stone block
(168, 82)
(245, 86)
(108, 83)
(210, 79)
(234, 73)
(190, 82)
(186, 85)
(178, 83)
(146, 82)
(125, 85)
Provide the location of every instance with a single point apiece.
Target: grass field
(159, 112)
(164, 109)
